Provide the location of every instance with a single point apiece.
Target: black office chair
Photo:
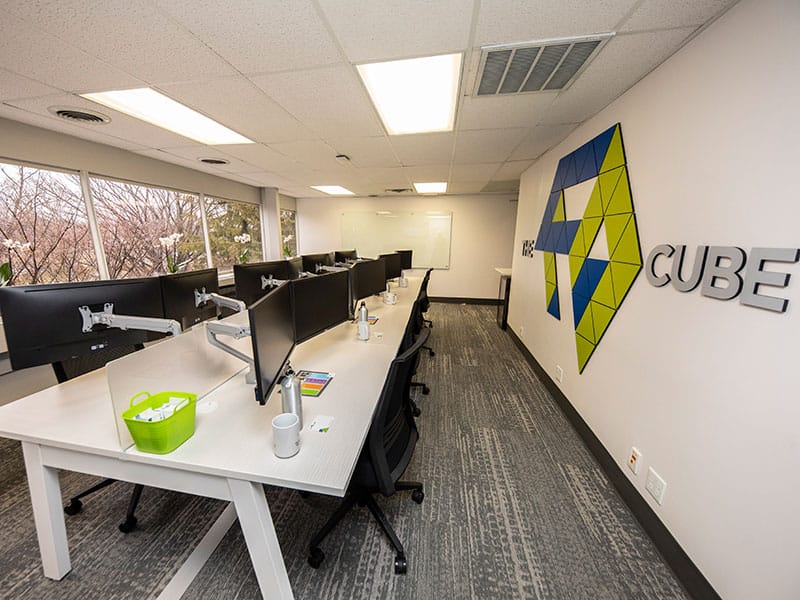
(413, 330)
(69, 369)
(385, 456)
(424, 301)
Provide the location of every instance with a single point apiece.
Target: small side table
(502, 296)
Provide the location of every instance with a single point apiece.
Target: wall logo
(601, 239)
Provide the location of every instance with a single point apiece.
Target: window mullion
(206, 237)
(97, 240)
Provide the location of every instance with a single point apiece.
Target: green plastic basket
(160, 437)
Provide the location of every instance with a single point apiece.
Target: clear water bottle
(291, 398)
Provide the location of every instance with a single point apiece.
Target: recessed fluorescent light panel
(333, 190)
(148, 105)
(436, 187)
(416, 95)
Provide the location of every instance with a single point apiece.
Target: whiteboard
(426, 233)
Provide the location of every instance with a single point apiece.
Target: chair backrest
(424, 302)
(73, 367)
(393, 433)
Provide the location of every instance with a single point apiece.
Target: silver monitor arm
(327, 269)
(237, 332)
(270, 282)
(108, 318)
(200, 297)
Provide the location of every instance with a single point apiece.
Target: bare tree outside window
(288, 232)
(44, 232)
(146, 230)
(234, 229)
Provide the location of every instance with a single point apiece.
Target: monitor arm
(270, 282)
(109, 319)
(237, 332)
(201, 297)
(327, 269)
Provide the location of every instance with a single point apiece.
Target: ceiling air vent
(214, 161)
(78, 114)
(544, 66)
(398, 190)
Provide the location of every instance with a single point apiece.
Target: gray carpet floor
(515, 507)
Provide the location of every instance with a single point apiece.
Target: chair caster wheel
(74, 507)
(416, 411)
(128, 526)
(426, 390)
(418, 496)
(400, 565)
(432, 353)
(315, 558)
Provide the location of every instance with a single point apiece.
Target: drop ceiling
(282, 74)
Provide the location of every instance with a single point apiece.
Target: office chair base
(315, 557)
(425, 389)
(128, 525)
(400, 564)
(75, 505)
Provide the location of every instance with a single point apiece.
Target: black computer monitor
(405, 258)
(42, 323)
(393, 265)
(319, 303)
(177, 295)
(367, 277)
(272, 333)
(248, 278)
(345, 255)
(310, 261)
(295, 267)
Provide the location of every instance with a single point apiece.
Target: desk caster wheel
(315, 558)
(74, 507)
(400, 565)
(128, 526)
(425, 390)
(418, 496)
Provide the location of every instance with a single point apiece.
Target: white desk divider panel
(185, 363)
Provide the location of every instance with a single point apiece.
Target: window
(288, 232)
(146, 230)
(44, 230)
(234, 229)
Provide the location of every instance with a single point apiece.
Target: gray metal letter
(658, 280)
(729, 273)
(755, 276)
(687, 285)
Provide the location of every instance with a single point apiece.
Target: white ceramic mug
(390, 298)
(285, 435)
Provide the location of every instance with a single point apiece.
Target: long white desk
(71, 426)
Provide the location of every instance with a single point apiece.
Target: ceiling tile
(257, 36)
(487, 145)
(424, 148)
(423, 174)
(329, 101)
(366, 151)
(314, 154)
(465, 187)
(178, 160)
(260, 156)
(198, 151)
(118, 31)
(621, 63)
(523, 110)
(668, 14)
(268, 179)
(16, 86)
(506, 21)
(388, 177)
(541, 139)
(26, 50)
(239, 104)
(374, 31)
(121, 125)
(473, 172)
(512, 170)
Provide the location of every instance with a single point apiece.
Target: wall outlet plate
(655, 485)
(559, 373)
(634, 460)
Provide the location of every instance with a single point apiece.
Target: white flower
(10, 244)
(288, 238)
(242, 239)
(25, 246)
(170, 241)
(15, 245)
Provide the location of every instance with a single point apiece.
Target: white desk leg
(47, 512)
(262, 543)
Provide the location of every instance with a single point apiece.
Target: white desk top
(504, 271)
(234, 440)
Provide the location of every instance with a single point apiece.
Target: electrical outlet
(655, 485)
(559, 374)
(521, 330)
(634, 461)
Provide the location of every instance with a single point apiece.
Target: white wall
(707, 390)
(482, 235)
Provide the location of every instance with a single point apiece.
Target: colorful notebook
(312, 383)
